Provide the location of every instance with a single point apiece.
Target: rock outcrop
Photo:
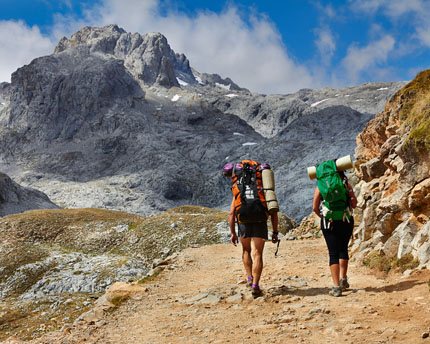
(16, 199)
(394, 163)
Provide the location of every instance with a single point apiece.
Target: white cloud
(367, 6)
(366, 60)
(397, 8)
(248, 50)
(20, 44)
(414, 13)
(423, 34)
(326, 44)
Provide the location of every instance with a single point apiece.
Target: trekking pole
(277, 248)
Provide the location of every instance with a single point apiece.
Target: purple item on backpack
(227, 169)
(264, 167)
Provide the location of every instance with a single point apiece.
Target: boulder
(420, 195)
(373, 168)
(407, 231)
(391, 246)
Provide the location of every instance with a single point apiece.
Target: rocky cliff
(394, 163)
(120, 121)
(16, 199)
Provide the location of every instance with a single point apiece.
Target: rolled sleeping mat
(342, 164)
(271, 201)
(312, 172)
(268, 179)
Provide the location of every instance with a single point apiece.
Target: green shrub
(406, 262)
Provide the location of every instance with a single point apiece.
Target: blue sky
(276, 46)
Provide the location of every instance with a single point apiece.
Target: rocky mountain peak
(96, 36)
(147, 57)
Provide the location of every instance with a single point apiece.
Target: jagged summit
(147, 57)
(90, 35)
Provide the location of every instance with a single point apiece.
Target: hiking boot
(256, 292)
(249, 282)
(344, 283)
(336, 292)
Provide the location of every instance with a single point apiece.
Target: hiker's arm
(231, 221)
(274, 220)
(352, 198)
(317, 200)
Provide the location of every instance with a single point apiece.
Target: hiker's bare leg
(246, 255)
(334, 269)
(258, 258)
(343, 267)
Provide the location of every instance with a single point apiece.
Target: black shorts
(253, 230)
(337, 239)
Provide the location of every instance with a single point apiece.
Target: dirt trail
(201, 299)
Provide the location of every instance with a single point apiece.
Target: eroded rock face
(393, 201)
(17, 199)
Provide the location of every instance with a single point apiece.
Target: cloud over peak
(19, 45)
(367, 59)
(245, 47)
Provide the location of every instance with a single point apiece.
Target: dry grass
(415, 111)
(380, 262)
(63, 217)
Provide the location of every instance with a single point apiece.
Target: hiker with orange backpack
(336, 198)
(249, 209)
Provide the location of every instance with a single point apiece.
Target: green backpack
(333, 192)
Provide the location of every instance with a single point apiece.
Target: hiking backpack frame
(249, 201)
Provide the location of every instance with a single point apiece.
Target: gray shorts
(253, 230)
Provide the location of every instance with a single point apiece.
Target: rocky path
(201, 298)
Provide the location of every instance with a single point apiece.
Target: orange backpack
(249, 201)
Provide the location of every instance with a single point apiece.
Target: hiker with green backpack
(333, 202)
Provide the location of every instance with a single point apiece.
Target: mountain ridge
(102, 122)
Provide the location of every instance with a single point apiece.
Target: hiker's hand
(274, 238)
(234, 239)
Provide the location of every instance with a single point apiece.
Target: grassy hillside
(30, 239)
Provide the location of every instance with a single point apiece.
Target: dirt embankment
(201, 298)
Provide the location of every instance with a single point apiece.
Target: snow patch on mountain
(182, 82)
(226, 87)
(176, 98)
(319, 102)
